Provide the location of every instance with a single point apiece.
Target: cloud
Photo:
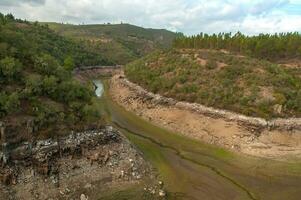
(262, 7)
(188, 16)
(18, 2)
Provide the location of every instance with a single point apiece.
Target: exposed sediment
(277, 138)
(81, 164)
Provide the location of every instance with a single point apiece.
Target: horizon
(125, 23)
(188, 17)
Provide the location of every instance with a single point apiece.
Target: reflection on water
(99, 88)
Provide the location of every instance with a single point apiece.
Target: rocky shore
(277, 139)
(78, 166)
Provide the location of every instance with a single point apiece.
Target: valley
(191, 169)
(118, 111)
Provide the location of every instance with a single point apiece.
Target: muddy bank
(277, 139)
(83, 165)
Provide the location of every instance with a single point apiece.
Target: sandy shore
(280, 144)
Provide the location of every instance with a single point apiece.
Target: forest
(272, 47)
(36, 79)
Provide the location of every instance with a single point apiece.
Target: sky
(186, 16)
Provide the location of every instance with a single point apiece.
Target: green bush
(33, 85)
(69, 63)
(49, 85)
(90, 113)
(211, 64)
(10, 69)
(72, 90)
(9, 103)
(46, 64)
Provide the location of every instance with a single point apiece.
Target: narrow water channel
(192, 170)
(99, 87)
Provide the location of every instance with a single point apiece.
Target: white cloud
(188, 16)
(262, 7)
(271, 24)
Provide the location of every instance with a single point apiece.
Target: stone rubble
(69, 165)
(156, 190)
(278, 123)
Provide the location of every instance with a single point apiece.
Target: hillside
(278, 47)
(119, 43)
(38, 95)
(222, 80)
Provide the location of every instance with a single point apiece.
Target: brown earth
(257, 139)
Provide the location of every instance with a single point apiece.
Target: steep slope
(38, 96)
(119, 43)
(222, 80)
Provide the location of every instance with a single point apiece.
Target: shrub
(10, 69)
(50, 85)
(46, 64)
(211, 64)
(33, 85)
(9, 103)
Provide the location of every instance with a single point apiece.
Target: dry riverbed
(275, 143)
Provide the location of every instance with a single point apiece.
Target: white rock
(83, 197)
(162, 193)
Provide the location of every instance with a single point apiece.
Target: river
(192, 170)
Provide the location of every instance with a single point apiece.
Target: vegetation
(222, 80)
(36, 80)
(31, 38)
(263, 46)
(119, 43)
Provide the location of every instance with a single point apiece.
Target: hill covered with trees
(38, 95)
(32, 38)
(222, 80)
(119, 43)
(272, 47)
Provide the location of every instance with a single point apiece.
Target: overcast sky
(187, 16)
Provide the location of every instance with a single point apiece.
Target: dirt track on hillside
(248, 139)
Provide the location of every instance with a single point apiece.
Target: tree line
(264, 46)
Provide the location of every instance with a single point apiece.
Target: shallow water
(191, 169)
(99, 88)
